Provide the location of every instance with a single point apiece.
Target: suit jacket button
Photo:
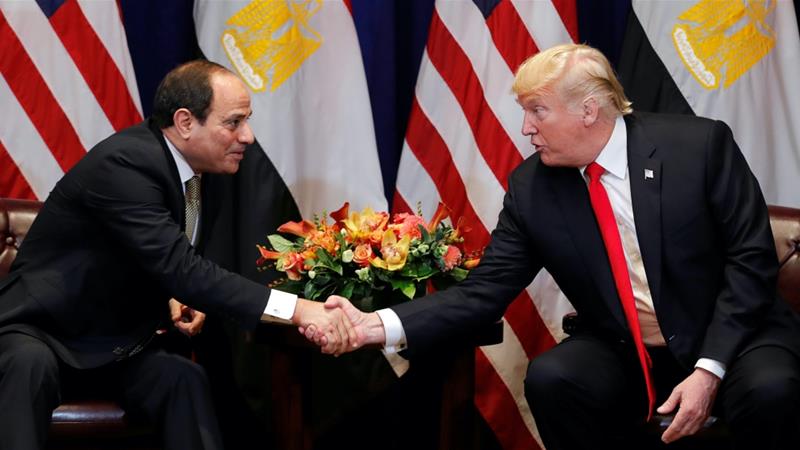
(119, 351)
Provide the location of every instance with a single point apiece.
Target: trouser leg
(760, 399)
(585, 394)
(172, 391)
(29, 391)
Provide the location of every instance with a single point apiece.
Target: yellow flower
(394, 252)
(366, 226)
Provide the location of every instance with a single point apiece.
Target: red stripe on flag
(12, 183)
(455, 68)
(37, 100)
(430, 149)
(528, 325)
(510, 35)
(568, 11)
(95, 64)
(400, 205)
(496, 404)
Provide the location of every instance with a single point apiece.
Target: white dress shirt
(614, 158)
(280, 304)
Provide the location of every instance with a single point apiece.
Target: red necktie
(608, 228)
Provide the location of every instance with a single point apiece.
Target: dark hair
(186, 86)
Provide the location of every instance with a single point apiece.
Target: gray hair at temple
(575, 72)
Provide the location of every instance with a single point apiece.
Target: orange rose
(362, 255)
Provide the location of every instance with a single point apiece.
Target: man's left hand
(187, 320)
(694, 398)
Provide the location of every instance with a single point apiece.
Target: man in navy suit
(700, 258)
(108, 250)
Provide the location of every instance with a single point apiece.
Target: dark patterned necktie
(192, 205)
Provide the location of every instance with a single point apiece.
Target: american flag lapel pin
(648, 174)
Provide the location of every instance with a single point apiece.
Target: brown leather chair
(89, 422)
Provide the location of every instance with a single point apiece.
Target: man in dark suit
(694, 248)
(111, 245)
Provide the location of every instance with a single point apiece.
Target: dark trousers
(168, 390)
(587, 393)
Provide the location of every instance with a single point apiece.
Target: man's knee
(180, 371)
(774, 392)
(29, 359)
(766, 391)
(545, 379)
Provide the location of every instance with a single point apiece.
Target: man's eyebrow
(235, 116)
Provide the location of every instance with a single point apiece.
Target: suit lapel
(644, 172)
(175, 198)
(573, 201)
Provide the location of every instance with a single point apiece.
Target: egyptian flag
(735, 61)
(312, 116)
(315, 149)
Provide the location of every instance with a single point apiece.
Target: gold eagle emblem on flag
(719, 41)
(270, 39)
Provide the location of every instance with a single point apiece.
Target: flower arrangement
(369, 255)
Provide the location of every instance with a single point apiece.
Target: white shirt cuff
(279, 305)
(393, 328)
(715, 367)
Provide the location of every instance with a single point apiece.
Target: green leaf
(407, 287)
(426, 237)
(347, 290)
(315, 288)
(280, 243)
(342, 242)
(459, 274)
(418, 271)
(325, 260)
(311, 291)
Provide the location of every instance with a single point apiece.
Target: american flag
(72, 95)
(462, 141)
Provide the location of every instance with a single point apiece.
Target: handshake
(337, 326)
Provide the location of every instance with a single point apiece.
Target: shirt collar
(614, 156)
(185, 171)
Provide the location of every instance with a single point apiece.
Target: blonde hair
(575, 72)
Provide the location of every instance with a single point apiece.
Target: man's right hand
(368, 327)
(331, 326)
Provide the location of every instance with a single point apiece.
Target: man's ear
(591, 111)
(184, 121)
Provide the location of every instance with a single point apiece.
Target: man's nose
(246, 135)
(528, 128)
